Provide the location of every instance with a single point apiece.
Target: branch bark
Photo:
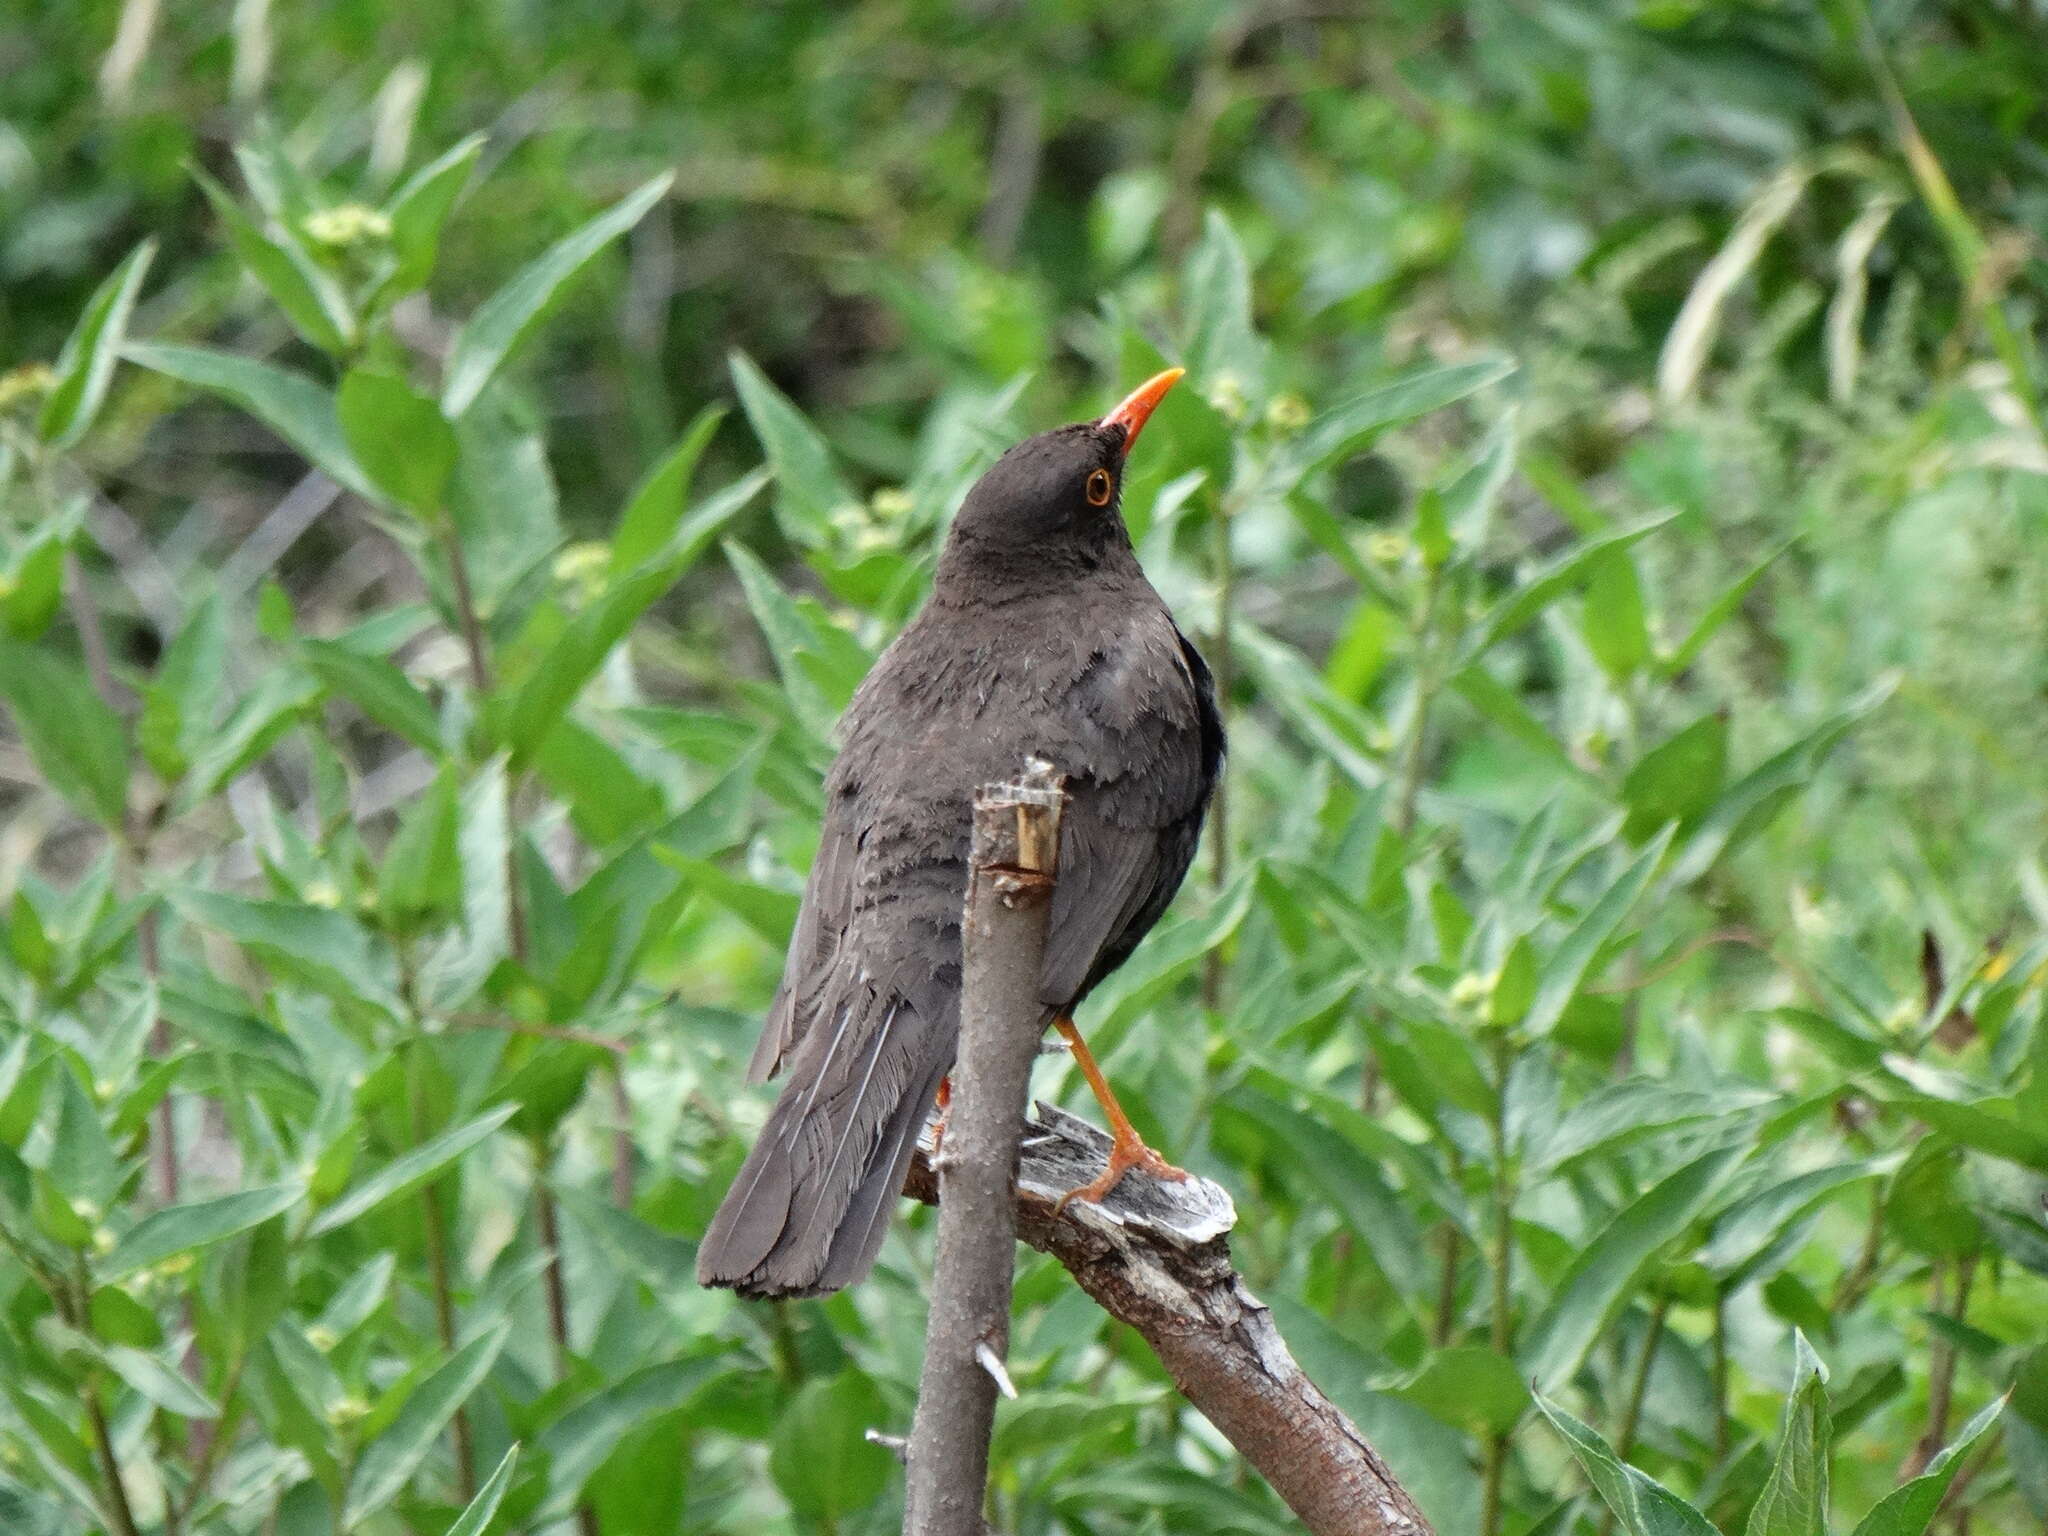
(1009, 899)
(1157, 1257)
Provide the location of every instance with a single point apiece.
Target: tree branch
(1157, 1256)
(1009, 900)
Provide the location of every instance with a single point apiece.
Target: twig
(1009, 903)
(1156, 1256)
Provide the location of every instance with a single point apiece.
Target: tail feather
(811, 1203)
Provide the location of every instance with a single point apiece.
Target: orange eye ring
(1100, 488)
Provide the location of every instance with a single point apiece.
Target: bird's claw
(1125, 1153)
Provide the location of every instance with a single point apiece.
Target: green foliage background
(1611, 484)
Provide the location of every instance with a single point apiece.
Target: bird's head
(1057, 492)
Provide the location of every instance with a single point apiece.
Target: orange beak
(1139, 404)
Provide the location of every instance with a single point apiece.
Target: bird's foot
(1125, 1153)
(944, 1099)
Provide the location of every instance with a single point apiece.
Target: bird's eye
(1100, 488)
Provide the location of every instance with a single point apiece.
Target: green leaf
(83, 1162)
(808, 490)
(252, 729)
(508, 316)
(1909, 1509)
(476, 1519)
(197, 1224)
(1348, 428)
(1747, 1228)
(1718, 613)
(769, 912)
(1795, 1497)
(404, 1174)
(86, 365)
(310, 299)
(1568, 966)
(821, 1457)
(790, 638)
(378, 689)
(420, 207)
(178, 705)
(324, 948)
(391, 1459)
(1224, 350)
(160, 1383)
(32, 589)
(78, 744)
(1677, 779)
(657, 504)
(1546, 585)
(1470, 1387)
(1598, 1283)
(290, 404)
(421, 876)
(1644, 1506)
(400, 438)
(1613, 623)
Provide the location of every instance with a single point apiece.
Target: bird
(1041, 638)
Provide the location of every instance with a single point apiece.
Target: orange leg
(945, 1100)
(1127, 1149)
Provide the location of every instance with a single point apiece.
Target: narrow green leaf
(399, 437)
(378, 689)
(290, 404)
(1568, 966)
(420, 207)
(1224, 349)
(1644, 1506)
(1347, 428)
(1677, 779)
(78, 744)
(32, 588)
(657, 504)
(197, 1224)
(83, 1162)
(508, 316)
(789, 637)
(1598, 1282)
(160, 1383)
(310, 299)
(821, 1458)
(324, 948)
(808, 490)
(179, 704)
(86, 365)
(1909, 1509)
(1469, 1387)
(404, 1174)
(1548, 584)
(1616, 629)
(1718, 613)
(392, 1458)
(476, 1519)
(1795, 1497)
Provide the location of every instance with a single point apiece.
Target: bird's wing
(1138, 789)
(820, 925)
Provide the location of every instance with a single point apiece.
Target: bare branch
(1009, 900)
(1157, 1256)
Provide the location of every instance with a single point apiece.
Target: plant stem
(437, 1271)
(1941, 1373)
(466, 613)
(1501, 1332)
(1632, 1413)
(120, 1515)
(1722, 1436)
(1414, 743)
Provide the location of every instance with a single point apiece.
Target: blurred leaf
(159, 1383)
(1547, 584)
(1644, 1506)
(1718, 613)
(399, 437)
(404, 1174)
(1795, 1498)
(79, 745)
(378, 689)
(389, 1461)
(86, 365)
(1677, 779)
(179, 704)
(420, 207)
(1224, 352)
(821, 1458)
(323, 947)
(476, 1518)
(1471, 1387)
(310, 299)
(1572, 959)
(1346, 429)
(657, 504)
(1598, 1283)
(1613, 622)
(32, 589)
(421, 876)
(179, 1229)
(790, 637)
(1910, 1509)
(290, 404)
(809, 492)
(83, 1162)
(508, 316)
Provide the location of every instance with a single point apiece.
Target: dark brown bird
(1041, 638)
